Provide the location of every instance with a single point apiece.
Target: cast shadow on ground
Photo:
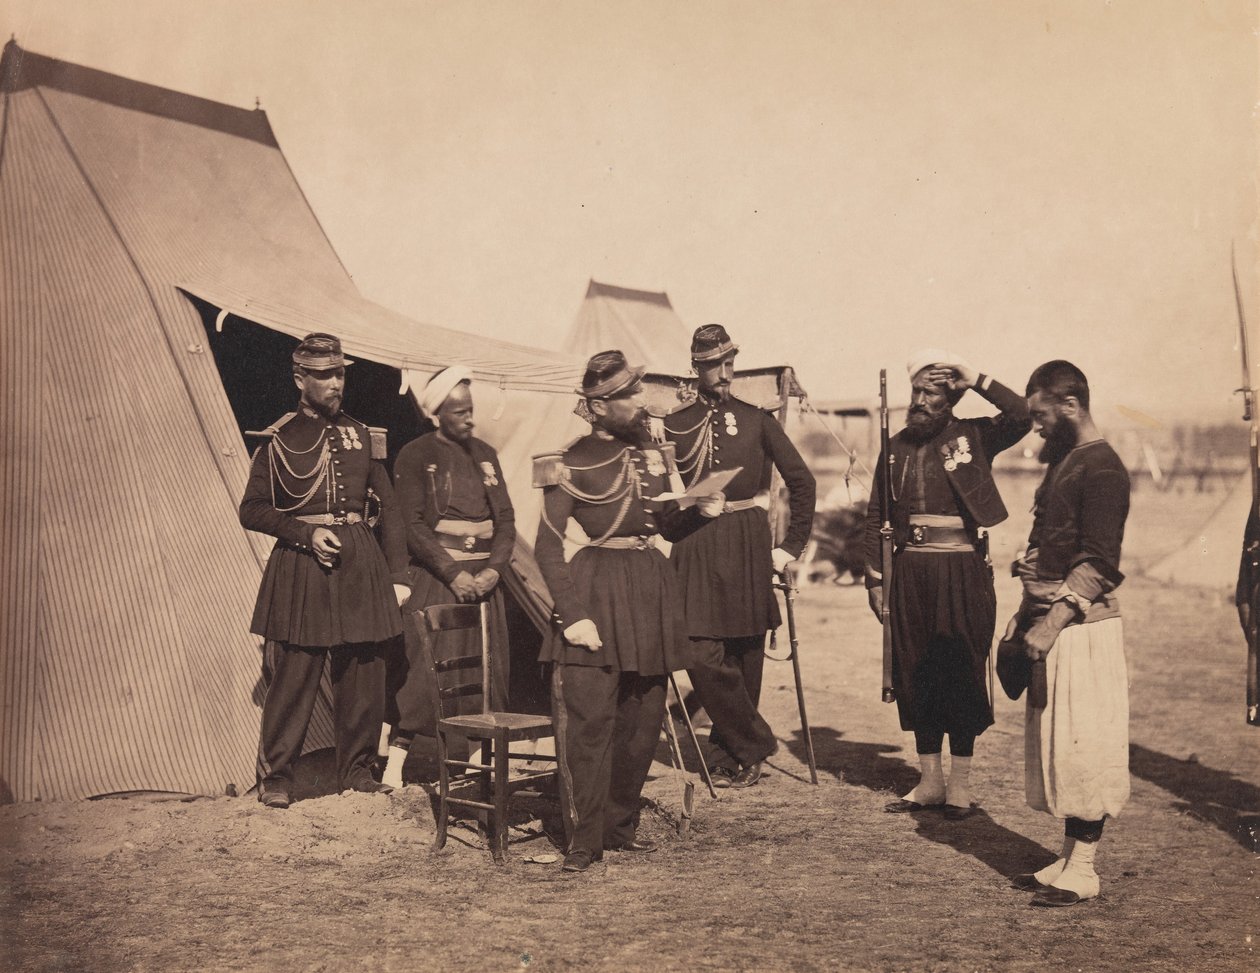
(861, 764)
(1204, 793)
(1005, 851)
(870, 765)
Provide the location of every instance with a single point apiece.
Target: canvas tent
(157, 261)
(1209, 558)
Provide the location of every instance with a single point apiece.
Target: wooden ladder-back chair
(495, 731)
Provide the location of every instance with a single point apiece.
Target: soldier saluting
(616, 621)
(328, 587)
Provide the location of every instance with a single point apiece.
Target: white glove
(585, 634)
(781, 559)
(711, 506)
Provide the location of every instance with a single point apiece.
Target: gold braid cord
(696, 460)
(625, 488)
(280, 464)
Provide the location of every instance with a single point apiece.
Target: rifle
(1249, 415)
(788, 588)
(885, 538)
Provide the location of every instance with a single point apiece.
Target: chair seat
(486, 722)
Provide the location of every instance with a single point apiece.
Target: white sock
(1079, 875)
(931, 786)
(394, 768)
(1052, 871)
(957, 792)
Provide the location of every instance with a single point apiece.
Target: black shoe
(955, 813)
(640, 845)
(274, 795)
(1052, 897)
(722, 776)
(1027, 883)
(579, 860)
(902, 806)
(747, 776)
(366, 785)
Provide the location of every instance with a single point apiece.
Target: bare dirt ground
(783, 876)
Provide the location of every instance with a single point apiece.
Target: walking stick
(886, 540)
(680, 769)
(789, 596)
(691, 732)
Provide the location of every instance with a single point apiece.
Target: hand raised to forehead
(952, 376)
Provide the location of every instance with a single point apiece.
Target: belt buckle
(727, 508)
(641, 543)
(470, 542)
(918, 534)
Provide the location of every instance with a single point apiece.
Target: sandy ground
(783, 876)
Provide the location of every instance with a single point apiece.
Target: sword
(1249, 415)
(691, 732)
(789, 596)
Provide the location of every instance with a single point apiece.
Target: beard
(633, 430)
(1060, 442)
(921, 426)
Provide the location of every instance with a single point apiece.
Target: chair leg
(500, 797)
(444, 786)
(485, 780)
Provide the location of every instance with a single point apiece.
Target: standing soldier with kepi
(1076, 747)
(461, 529)
(726, 571)
(616, 615)
(327, 585)
(942, 605)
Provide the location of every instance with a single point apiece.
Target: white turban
(440, 386)
(924, 357)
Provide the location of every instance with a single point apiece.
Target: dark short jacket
(420, 513)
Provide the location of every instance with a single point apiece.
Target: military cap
(608, 374)
(318, 351)
(711, 343)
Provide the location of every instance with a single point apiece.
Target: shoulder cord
(626, 476)
(321, 468)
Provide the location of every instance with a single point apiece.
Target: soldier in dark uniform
(460, 533)
(328, 589)
(616, 621)
(725, 573)
(942, 607)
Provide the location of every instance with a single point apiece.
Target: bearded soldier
(942, 605)
(725, 573)
(1076, 745)
(328, 589)
(461, 529)
(616, 616)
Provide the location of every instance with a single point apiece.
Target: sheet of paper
(713, 483)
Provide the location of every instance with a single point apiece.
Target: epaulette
(549, 468)
(272, 429)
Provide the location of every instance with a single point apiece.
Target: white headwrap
(440, 386)
(924, 357)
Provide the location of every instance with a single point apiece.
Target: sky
(838, 183)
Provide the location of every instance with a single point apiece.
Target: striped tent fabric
(126, 663)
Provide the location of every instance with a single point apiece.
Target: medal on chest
(349, 438)
(732, 427)
(956, 452)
